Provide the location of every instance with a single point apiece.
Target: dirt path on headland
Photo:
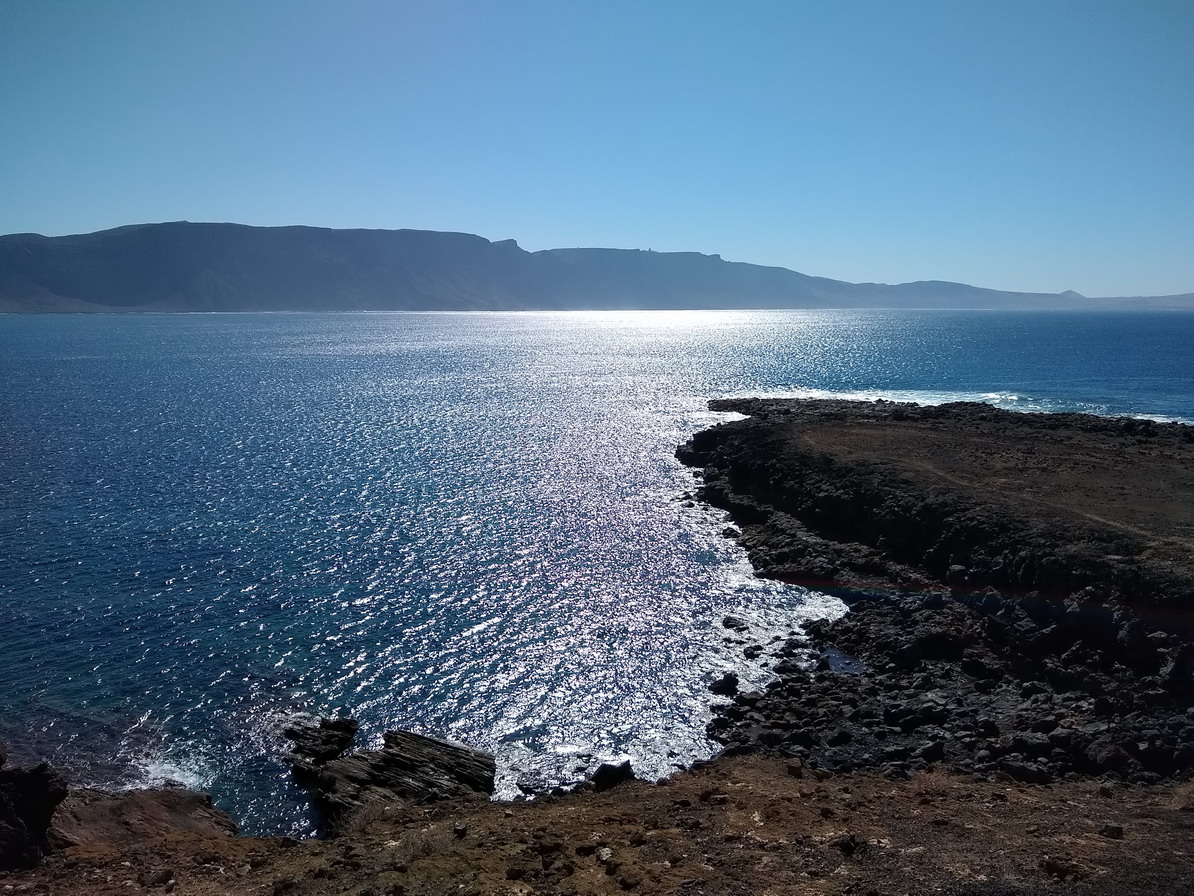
(1138, 480)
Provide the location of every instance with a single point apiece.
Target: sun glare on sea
(666, 320)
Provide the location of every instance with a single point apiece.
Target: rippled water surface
(464, 524)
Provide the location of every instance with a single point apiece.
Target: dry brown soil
(1139, 485)
(740, 825)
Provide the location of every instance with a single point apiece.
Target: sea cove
(469, 524)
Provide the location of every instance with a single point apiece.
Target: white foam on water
(1013, 401)
(178, 765)
(924, 397)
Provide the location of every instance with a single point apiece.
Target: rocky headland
(1007, 707)
(1021, 586)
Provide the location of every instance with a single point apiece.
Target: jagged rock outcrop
(28, 797)
(316, 744)
(409, 768)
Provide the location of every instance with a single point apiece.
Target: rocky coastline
(1007, 707)
(1003, 623)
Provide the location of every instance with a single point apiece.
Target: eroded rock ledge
(409, 768)
(1021, 585)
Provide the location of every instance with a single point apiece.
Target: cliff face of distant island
(182, 266)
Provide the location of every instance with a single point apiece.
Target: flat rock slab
(96, 820)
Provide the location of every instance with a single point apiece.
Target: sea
(467, 525)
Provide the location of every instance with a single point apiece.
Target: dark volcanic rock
(1026, 638)
(726, 685)
(610, 775)
(28, 797)
(409, 768)
(330, 739)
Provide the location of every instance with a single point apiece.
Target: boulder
(933, 751)
(610, 775)
(1028, 772)
(28, 797)
(1104, 755)
(329, 739)
(726, 686)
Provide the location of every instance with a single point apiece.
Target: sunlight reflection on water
(470, 525)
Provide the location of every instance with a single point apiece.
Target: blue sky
(1044, 145)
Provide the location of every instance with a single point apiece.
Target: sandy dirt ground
(740, 825)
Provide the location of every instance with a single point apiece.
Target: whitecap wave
(177, 766)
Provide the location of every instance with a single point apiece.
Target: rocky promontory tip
(409, 768)
(316, 744)
(1021, 586)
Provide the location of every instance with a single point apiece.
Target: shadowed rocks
(609, 775)
(409, 768)
(28, 797)
(98, 820)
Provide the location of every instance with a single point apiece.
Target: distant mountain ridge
(192, 267)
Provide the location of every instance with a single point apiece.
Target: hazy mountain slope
(233, 267)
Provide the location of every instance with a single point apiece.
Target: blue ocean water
(464, 524)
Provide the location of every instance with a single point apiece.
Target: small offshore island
(1008, 707)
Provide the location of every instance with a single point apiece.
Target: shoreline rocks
(28, 797)
(1031, 692)
(1023, 635)
(409, 768)
(994, 628)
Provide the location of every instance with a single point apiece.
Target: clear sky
(1037, 145)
